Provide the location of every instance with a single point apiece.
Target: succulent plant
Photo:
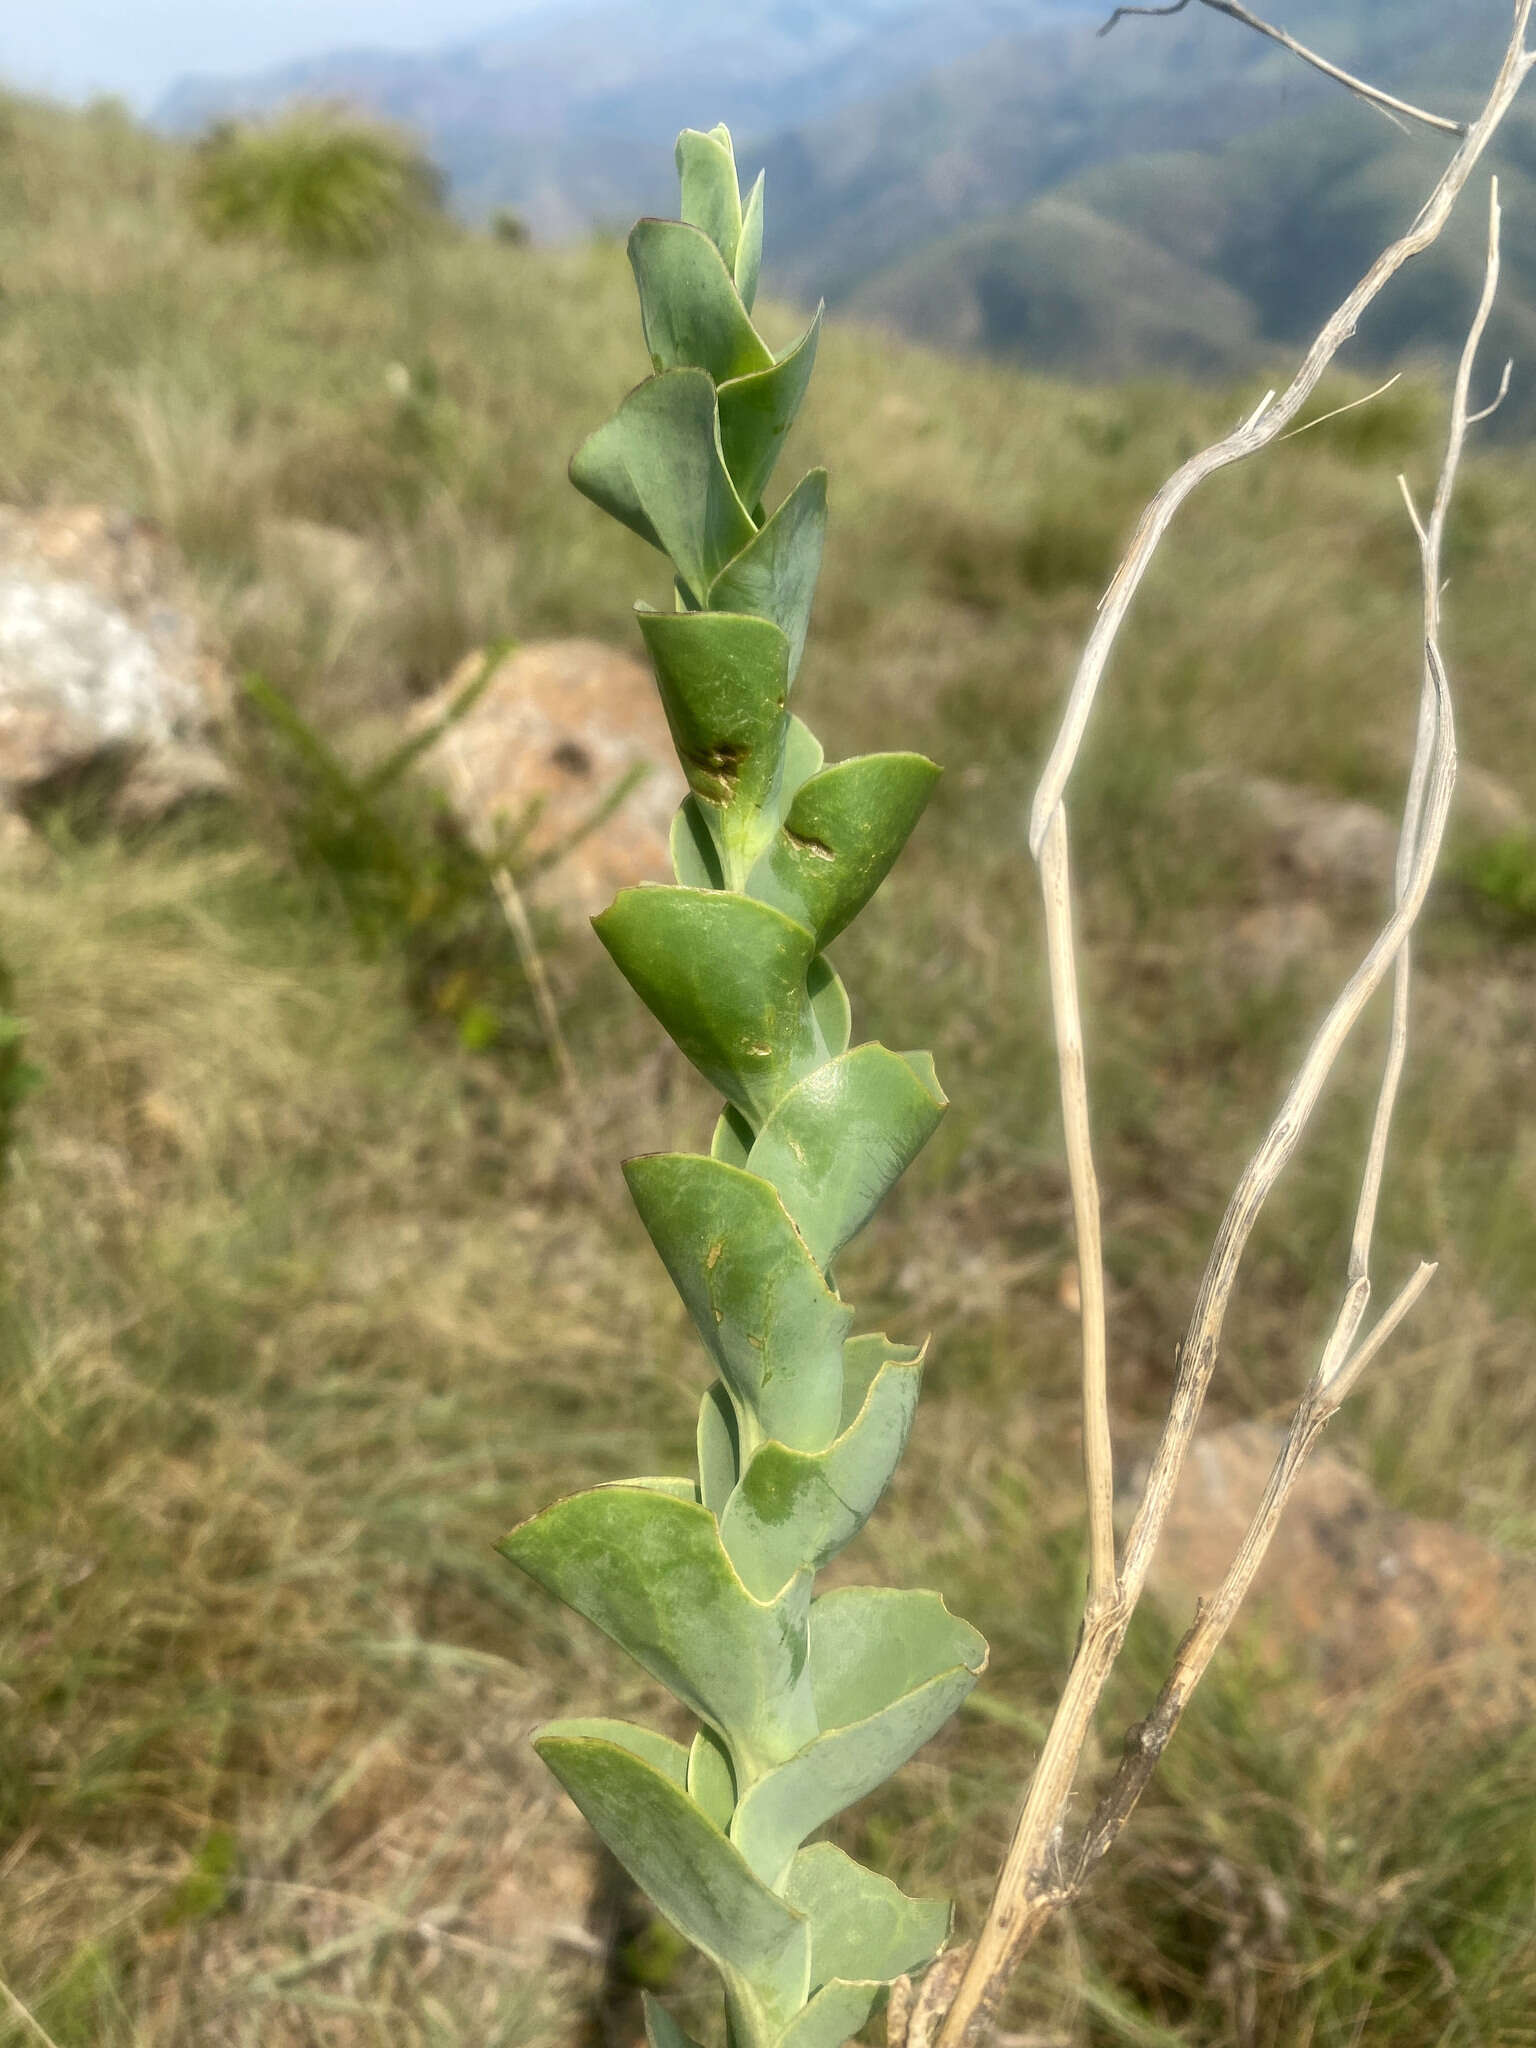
(805, 1703)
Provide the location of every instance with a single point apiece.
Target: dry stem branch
(1343, 1361)
(1373, 96)
(1098, 1454)
(1038, 1877)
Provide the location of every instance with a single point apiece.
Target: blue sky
(74, 48)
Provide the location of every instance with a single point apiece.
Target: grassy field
(305, 1303)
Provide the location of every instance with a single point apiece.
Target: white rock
(101, 660)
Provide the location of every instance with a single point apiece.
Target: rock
(101, 663)
(1353, 1591)
(1328, 844)
(558, 727)
(1325, 841)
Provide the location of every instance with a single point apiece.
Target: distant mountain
(992, 131)
(1211, 262)
(569, 114)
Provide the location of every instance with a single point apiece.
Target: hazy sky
(74, 48)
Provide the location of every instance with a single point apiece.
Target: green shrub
(1502, 874)
(315, 181)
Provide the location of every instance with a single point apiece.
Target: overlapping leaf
(726, 977)
(724, 684)
(774, 575)
(862, 1927)
(689, 305)
(756, 1296)
(683, 1862)
(841, 1138)
(650, 1572)
(757, 412)
(657, 466)
(796, 1509)
(661, 2030)
(718, 1441)
(902, 1665)
(841, 835)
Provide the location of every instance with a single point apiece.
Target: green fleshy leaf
(724, 683)
(719, 1455)
(600, 471)
(864, 1359)
(841, 1138)
(773, 1327)
(757, 412)
(862, 1927)
(796, 1510)
(914, 1687)
(711, 1783)
(833, 2016)
(830, 1009)
(726, 978)
(659, 1752)
(733, 1138)
(774, 575)
(841, 835)
(749, 250)
(661, 2030)
(922, 1065)
(695, 856)
(803, 758)
(689, 305)
(651, 1572)
(686, 1866)
(675, 1489)
(711, 201)
(871, 1645)
(657, 467)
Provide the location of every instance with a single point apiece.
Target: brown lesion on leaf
(722, 764)
(817, 848)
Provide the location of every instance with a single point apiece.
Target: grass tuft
(315, 181)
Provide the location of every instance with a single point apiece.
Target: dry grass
(306, 1305)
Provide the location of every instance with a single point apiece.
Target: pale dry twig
(1384, 102)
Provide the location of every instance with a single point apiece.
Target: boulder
(1326, 842)
(1332, 846)
(557, 729)
(1354, 1592)
(101, 663)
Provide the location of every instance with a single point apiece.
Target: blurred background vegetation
(307, 1299)
(316, 181)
